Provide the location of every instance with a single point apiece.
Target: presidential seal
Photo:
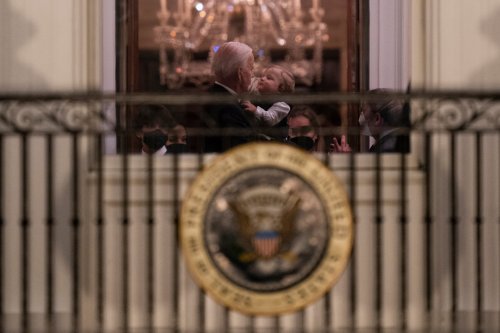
(266, 229)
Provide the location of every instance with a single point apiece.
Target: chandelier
(286, 32)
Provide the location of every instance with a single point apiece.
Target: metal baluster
(328, 306)
(100, 234)
(76, 230)
(2, 222)
(428, 222)
(125, 229)
(479, 229)
(50, 226)
(201, 300)
(176, 247)
(453, 226)
(150, 240)
(352, 201)
(25, 245)
(404, 224)
(378, 241)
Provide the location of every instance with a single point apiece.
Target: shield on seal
(266, 243)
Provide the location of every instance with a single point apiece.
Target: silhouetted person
(232, 66)
(177, 139)
(387, 120)
(303, 128)
(151, 127)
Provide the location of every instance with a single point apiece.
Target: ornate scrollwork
(492, 116)
(453, 114)
(456, 114)
(56, 116)
(97, 114)
(21, 116)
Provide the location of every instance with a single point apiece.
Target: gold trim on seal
(233, 193)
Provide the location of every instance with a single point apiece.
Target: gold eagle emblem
(266, 219)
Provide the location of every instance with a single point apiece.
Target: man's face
(245, 75)
(371, 119)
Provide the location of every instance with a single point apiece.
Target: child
(274, 80)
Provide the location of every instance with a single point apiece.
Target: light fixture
(189, 31)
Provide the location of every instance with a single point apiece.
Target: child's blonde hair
(287, 83)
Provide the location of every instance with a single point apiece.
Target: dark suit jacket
(396, 142)
(219, 118)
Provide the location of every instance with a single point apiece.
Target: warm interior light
(189, 26)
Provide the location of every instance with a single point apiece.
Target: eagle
(265, 220)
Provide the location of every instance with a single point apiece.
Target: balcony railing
(88, 225)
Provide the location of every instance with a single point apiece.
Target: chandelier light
(190, 31)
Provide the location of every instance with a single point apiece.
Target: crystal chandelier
(189, 31)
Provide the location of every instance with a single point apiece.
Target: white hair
(390, 109)
(228, 59)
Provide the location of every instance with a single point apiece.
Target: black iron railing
(78, 203)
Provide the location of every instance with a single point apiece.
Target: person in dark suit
(387, 120)
(232, 66)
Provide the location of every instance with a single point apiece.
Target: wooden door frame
(358, 62)
(127, 65)
(127, 60)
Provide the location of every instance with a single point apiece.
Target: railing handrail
(174, 97)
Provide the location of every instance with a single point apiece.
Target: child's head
(276, 79)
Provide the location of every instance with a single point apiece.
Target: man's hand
(343, 147)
